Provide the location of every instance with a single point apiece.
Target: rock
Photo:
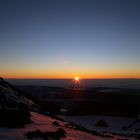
(35, 134)
(60, 133)
(55, 123)
(14, 117)
(101, 123)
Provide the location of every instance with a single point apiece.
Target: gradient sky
(67, 38)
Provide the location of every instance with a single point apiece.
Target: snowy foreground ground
(44, 123)
(115, 124)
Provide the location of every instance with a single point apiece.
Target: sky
(68, 38)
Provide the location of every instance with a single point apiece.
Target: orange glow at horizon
(69, 74)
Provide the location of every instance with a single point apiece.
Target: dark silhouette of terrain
(14, 109)
(93, 101)
(60, 133)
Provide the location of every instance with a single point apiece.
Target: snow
(115, 124)
(13, 95)
(44, 123)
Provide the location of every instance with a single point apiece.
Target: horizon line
(69, 78)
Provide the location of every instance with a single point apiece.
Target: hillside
(18, 121)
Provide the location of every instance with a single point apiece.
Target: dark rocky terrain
(14, 107)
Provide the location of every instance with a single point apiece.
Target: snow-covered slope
(9, 94)
(45, 124)
(118, 125)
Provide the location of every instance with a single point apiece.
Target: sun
(76, 78)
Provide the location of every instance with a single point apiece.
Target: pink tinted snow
(44, 123)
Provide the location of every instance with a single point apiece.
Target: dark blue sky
(63, 38)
